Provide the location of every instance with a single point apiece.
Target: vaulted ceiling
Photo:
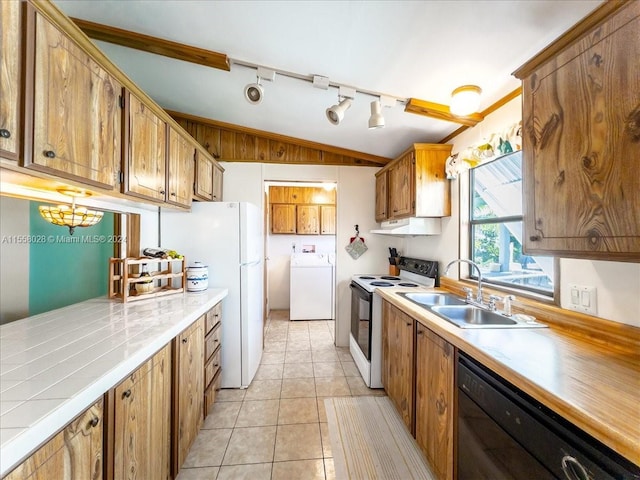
(407, 49)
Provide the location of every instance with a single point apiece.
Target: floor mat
(369, 441)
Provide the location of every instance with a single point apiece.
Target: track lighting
(253, 92)
(465, 100)
(376, 120)
(335, 113)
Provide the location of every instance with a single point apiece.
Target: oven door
(361, 301)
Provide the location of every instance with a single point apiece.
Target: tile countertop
(596, 390)
(56, 364)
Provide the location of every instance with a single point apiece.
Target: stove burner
(390, 278)
(381, 284)
(366, 277)
(404, 284)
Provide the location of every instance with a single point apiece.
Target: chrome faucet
(479, 299)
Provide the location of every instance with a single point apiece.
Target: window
(496, 228)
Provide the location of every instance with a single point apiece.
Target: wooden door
(435, 391)
(581, 146)
(77, 119)
(10, 87)
(401, 187)
(382, 197)
(327, 219)
(75, 452)
(218, 175)
(146, 172)
(188, 389)
(307, 219)
(283, 218)
(181, 167)
(397, 361)
(142, 412)
(203, 188)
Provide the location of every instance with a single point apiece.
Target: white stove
(365, 343)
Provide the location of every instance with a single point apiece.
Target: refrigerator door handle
(248, 264)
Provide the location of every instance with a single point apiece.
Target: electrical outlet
(583, 298)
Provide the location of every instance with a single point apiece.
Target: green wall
(62, 273)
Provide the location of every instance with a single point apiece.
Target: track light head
(335, 113)
(376, 120)
(254, 93)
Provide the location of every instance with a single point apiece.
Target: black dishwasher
(503, 433)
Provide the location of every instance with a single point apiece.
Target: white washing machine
(311, 287)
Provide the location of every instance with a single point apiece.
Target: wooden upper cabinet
(414, 184)
(218, 176)
(74, 109)
(581, 142)
(203, 187)
(307, 219)
(283, 218)
(147, 151)
(75, 452)
(327, 219)
(382, 194)
(180, 175)
(435, 401)
(10, 87)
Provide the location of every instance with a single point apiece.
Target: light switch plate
(583, 298)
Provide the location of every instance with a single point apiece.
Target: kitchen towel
(369, 441)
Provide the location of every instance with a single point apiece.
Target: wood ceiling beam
(440, 112)
(155, 45)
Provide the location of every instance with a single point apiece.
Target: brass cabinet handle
(126, 394)
(94, 421)
(50, 154)
(4, 133)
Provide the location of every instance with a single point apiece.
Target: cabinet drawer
(213, 317)
(212, 367)
(211, 393)
(211, 342)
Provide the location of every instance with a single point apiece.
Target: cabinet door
(147, 152)
(75, 452)
(218, 175)
(181, 167)
(10, 79)
(581, 146)
(307, 219)
(328, 219)
(203, 188)
(401, 187)
(382, 198)
(435, 400)
(142, 421)
(188, 389)
(397, 361)
(283, 218)
(77, 121)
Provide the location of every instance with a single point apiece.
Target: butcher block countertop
(56, 364)
(595, 389)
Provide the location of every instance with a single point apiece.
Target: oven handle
(361, 292)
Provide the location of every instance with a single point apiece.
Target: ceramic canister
(197, 277)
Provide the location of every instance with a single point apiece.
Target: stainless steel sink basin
(431, 299)
(468, 316)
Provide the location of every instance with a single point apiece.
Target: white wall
(617, 283)
(355, 205)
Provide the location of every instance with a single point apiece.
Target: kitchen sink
(431, 299)
(468, 316)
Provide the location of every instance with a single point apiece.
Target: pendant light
(71, 216)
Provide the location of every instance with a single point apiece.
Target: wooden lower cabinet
(188, 390)
(141, 421)
(212, 357)
(398, 361)
(435, 400)
(74, 453)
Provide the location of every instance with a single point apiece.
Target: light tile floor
(277, 428)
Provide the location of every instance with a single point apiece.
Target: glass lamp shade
(465, 100)
(70, 216)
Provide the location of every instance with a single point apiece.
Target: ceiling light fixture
(335, 113)
(376, 120)
(71, 216)
(465, 100)
(253, 92)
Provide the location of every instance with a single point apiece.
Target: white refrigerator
(228, 238)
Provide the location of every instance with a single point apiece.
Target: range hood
(410, 227)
